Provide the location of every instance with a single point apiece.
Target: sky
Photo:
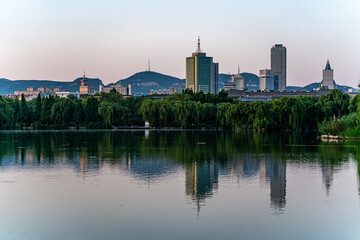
(113, 39)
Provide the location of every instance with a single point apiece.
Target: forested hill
(8, 87)
(143, 82)
(313, 86)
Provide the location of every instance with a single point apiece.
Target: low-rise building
(229, 86)
(65, 94)
(266, 79)
(43, 91)
(123, 90)
(28, 97)
(29, 91)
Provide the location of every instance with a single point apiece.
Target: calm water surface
(177, 185)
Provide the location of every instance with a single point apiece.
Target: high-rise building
(328, 77)
(266, 80)
(202, 74)
(276, 83)
(278, 65)
(215, 77)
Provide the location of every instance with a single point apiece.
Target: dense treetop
(181, 110)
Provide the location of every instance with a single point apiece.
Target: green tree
(73, 97)
(37, 108)
(46, 106)
(354, 104)
(334, 104)
(25, 113)
(62, 111)
(221, 119)
(6, 114)
(91, 110)
(106, 111)
(79, 112)
(123, 116)
(238, 114)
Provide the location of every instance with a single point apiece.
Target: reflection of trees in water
(202, 153)
(358, 165)
(331, 157)
(356, 156)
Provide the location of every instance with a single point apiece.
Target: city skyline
(57, 41)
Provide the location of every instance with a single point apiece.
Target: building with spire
(85, 88)
(202, 74)
(278, 65)
(236, 82)
(328, 77)
(239, 81)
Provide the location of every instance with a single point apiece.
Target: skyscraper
(278, 65)
(215, 78)
(328, 77)
(202, 73)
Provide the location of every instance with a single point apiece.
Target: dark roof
(327, 67)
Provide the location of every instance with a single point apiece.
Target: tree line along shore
(333, 114)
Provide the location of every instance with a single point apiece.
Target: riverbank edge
(337, 138)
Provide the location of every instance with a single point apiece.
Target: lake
(177, 185)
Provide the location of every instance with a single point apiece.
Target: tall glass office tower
(202, 73)
(278, 65)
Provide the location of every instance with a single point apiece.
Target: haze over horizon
(57, 40)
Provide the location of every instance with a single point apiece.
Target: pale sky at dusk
(57, 40)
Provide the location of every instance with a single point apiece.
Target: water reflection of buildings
(327, 176)
(152, 163)
(270, 171)
(85, 163)
(148, 169)
(201, 178)
(276, 172)
(79, 161)
(273, 171)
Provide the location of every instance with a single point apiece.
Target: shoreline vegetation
(333, 114)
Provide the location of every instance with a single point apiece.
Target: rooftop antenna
(239, 69)
(198, 45)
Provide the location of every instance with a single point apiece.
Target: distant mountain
(293, 88)
(8, 87)
(143, 82)
(313, 86)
